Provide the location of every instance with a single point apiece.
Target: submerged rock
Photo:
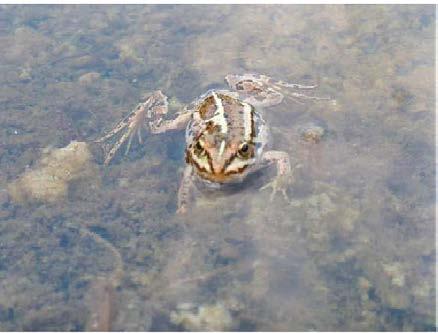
(212, 317)
(312, 132)
(57, 168)
(89, 78)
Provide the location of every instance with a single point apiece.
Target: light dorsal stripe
(222, 148)
(219, 115)
(247, 121)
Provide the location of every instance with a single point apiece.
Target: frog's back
(224, 116)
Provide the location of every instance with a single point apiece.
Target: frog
(226, 136)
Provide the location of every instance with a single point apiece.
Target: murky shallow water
(354, 249)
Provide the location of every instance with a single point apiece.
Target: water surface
(352, 249)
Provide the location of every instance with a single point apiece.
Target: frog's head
(224, 148)
(220, 160)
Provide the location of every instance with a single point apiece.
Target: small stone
(395, 273)
(211, 317)
(4, 197)
(364, 283)
(229, 252)
(85, 62)
(25, 76)
(89, 78)
(312, 133)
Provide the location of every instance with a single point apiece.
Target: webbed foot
(279, 184)
(261, 90)
(153, 108)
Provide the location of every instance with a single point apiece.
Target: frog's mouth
(219, 169)
(223, 177)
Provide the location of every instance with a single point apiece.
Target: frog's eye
(199, 149)
(244, 150)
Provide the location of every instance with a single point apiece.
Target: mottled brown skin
(209, 140)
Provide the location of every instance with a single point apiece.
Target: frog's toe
(279, 184)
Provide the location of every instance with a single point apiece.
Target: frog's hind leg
(139, 135)
(178, 123)
(153, 108)
(133, 122)
(262, 90)
(110, 155)
(253, 89)
(285, 87)
(279, 84)
(128, 146)
(297, 97)
(119, 127)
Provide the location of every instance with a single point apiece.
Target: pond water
(88, 246)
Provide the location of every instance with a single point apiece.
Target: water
(352, 249)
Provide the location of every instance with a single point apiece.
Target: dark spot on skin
(198, 149)
(211, 127)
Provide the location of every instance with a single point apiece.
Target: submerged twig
(101, 305)
(101, 293)
(117, 275)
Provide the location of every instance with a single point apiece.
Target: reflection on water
(352, 249)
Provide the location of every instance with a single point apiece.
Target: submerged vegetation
(83, 246)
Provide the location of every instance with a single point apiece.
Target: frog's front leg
(185, 190)
(284, 175)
